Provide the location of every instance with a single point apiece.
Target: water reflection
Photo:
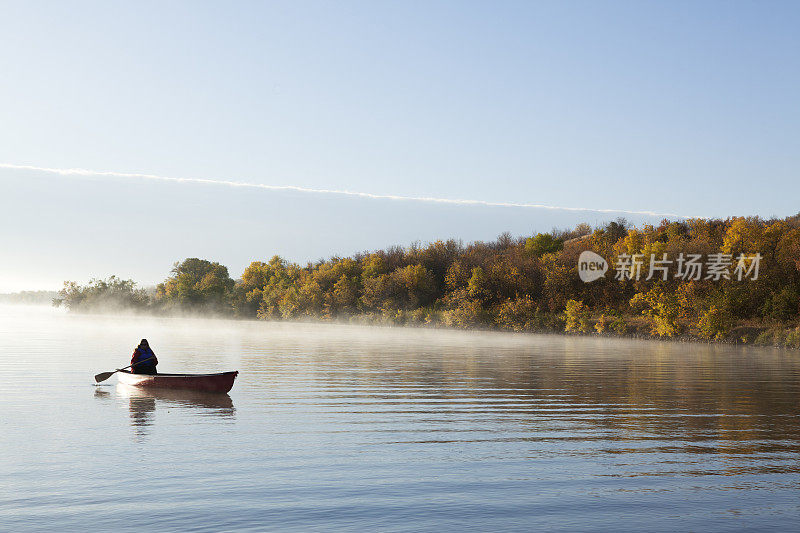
(343, 428)
(143, 403)
(636, 409)
(101, 394)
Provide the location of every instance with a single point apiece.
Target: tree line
(28, 297)
(519, 284)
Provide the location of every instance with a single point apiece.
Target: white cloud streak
(294, 188)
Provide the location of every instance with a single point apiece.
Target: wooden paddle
(105, 375)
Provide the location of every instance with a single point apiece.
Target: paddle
(105, 375)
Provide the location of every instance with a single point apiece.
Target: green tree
(197, 284)
(112, 294)
(542, 243)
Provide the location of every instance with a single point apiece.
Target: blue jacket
(142, 353)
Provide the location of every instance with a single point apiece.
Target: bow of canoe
(220, 382)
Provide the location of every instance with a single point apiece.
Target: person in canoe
(144, 359)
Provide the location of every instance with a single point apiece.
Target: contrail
(229, 183)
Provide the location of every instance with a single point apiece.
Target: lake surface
(344, 428)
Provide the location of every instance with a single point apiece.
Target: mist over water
(351, 428)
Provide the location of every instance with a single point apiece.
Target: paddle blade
(103, 376)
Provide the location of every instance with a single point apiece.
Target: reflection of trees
(618, 397)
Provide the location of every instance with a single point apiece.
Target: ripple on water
(351, 428)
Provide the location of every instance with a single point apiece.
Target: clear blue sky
(672, 107)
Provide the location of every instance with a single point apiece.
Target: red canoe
(222, 382)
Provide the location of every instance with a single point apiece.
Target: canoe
(221, 382)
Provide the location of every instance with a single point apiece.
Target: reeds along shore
(733, 280)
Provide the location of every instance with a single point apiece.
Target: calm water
(355, 429)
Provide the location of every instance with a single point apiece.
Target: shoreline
(527, 284)
(751, 333)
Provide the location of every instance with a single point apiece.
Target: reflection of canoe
(176, 397)
(222, 382)
(143, 402)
